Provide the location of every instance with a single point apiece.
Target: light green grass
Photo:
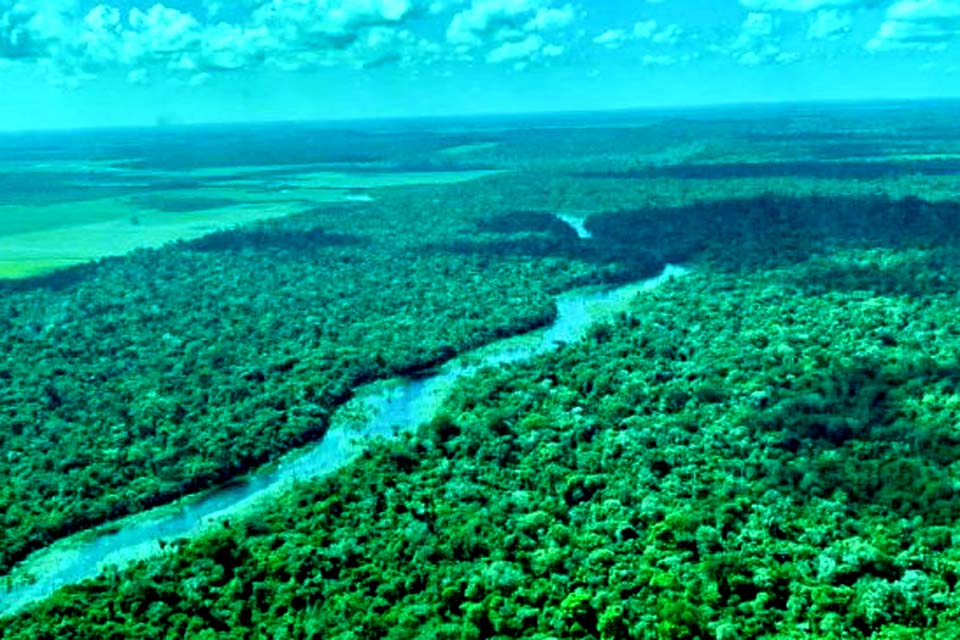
(467, 149)
(126, 227)
(339, 180)
(38, 239)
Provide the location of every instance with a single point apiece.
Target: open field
(40, 238)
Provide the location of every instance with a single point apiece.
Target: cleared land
(38, 239)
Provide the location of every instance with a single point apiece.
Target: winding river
(381, 409)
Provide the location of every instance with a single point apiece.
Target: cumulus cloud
(101, 39)
(757, 43)
(918, 24)
(668, 35)
(160, 31)
(645, 30)
(553, 50)
(327, 23)
(551, 19)
(492, 21)
(511, 30)
(226, 47)
(807, 5)
(521, 50)
(523, 53)
(33, 29)
(611, 38)
(287, 34)
(148, 41)
(829, 24)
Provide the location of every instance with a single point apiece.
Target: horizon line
(557, 113)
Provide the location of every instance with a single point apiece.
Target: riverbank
(696, 466)
(249, 338)
(385, 409)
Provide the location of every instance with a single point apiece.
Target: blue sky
(66, 63)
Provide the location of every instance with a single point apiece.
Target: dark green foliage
(166, 371)
(536, 234)
(767, 452)
(527, 222)
(847, 170)
(278, 239)
(774, 230)
(685, 492)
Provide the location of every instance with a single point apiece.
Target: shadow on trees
(734, 234)
(861, 170)
(269, 238)
(56, 281)
(527, 222)
(773, 229)
(537, 234)
(853, 431)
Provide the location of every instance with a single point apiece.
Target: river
(382, 409)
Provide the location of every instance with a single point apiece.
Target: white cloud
(287, 34)
(327, 23)
(757, 43)
(161, 31)
(645, 30)
(522, 53)
(32, 29)
(806, 5)
(829, 24)
(483, 19)
(550, 19)
(553, 50)
(611, 39)
(918, 24)
(756, 26)
(150, 41)
(493, 21)
(924, 10)
(100, 40)
(226, 46)
(511, 51)
(512, 30)
(668, 35)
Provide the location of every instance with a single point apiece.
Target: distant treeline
(848, 170)
(777, 227)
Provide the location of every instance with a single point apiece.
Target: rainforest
(760, 442)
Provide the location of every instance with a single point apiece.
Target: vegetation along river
(382, 409)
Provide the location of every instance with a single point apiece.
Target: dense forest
(765, 447)
(740, 454)
(165, 371)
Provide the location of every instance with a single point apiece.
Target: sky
(84, 63)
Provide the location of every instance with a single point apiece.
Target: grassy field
(41, 238)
